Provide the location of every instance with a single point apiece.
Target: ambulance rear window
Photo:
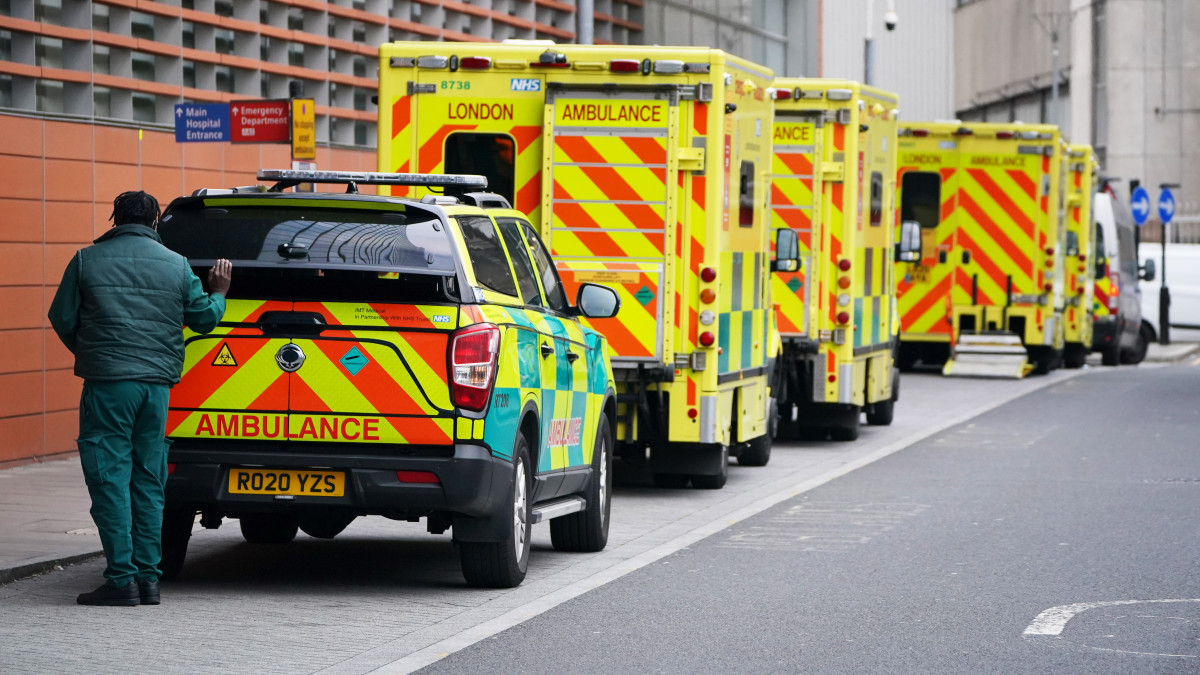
(304, 236)
(491, 155)
(921, 198)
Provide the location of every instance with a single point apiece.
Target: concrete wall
(57, 182)
(916, 60)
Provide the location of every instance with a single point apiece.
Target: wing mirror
(597, 302)
(787, 251)
(1147, 271)
(908, 248)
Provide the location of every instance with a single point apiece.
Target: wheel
(587, 530)
(502, 564)
(906, 359)
(1075, 355)
(176, 532)
(1110, 355)
(847, 430)
(757, 452)
(714, 481)
(880, 414)
(670, 481)
(1137, 354)
(1045, 359)
(268, 528)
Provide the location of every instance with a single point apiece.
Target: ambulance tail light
(475, 63)
(781, 94)
(707, 339)
(1005, 135)
(920, 133)
(843, 317)
(473, 354)
(625, 65)
(708, 275)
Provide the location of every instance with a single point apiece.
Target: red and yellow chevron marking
(601, 210)
(1081, 270)
(995, 227)
(634, 333)
(924, 289)
(792, 184)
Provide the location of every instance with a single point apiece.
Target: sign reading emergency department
(259, 122)
(304, 128)
(201, 122)
(579, 112)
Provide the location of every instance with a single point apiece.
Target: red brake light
(783, 94)
(843, 317)
(708, 275)
(416, 477)
(473, 353)
(1004, 135)
(625, 65)
(920, 133)
(707, 339)
(170, 468)
(844, 264)
(475, 62)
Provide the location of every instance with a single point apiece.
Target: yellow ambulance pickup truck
(833, 183)
(645, 169)
(414, 359)
(986, 296)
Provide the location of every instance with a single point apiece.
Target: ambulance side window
(531, 295)
(746, 196)
(491, 155)
(487, 254)
(876, 199)
(556, 297)
(920, 198)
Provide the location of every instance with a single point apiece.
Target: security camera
(890, 19)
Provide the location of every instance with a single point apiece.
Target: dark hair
(135, 206)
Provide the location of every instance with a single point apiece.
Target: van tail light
(170, 468)
(1114, 293)
(417, 477)
(473, 353)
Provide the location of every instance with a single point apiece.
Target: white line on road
(1054, 620)
(767, 496)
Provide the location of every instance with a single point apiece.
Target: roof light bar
(290, 177)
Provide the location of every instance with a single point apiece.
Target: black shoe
(111, 596)
(148, 592)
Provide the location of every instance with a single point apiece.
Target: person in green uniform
(121, 309)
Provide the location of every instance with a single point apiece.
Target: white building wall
(916, 60)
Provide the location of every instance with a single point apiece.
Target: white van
(1183, 282)
(1120, 334)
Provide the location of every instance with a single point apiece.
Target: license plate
(919, 274)
(307, 482)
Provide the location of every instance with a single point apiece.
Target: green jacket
(122, 306)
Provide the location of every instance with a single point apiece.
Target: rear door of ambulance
(928, 194)
(794, 180)
(611, 217)
(318, 351)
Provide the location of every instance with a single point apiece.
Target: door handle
(547, 349)
(966, 258)
(572, 356)
(941, 256)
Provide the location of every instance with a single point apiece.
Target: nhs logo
(526, 84)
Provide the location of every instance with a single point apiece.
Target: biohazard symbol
(224, 357)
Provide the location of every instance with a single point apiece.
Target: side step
(558, 507)
(988, 355)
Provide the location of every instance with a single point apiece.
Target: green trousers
(124, 455)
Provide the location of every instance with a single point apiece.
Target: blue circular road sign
(1139, 205)
(1166, 205)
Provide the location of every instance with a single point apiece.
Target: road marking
(762, 498)
(1054, 620)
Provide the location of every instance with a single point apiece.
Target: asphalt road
(895, 552)
(937, 559)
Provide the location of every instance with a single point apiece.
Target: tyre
(176, 532)
(502, 564)
(881, 413)
(1045, 359)
(1110, 356)
(758, 451)
(714, 481)
(587, 530)
(848, 429)
(1137, 353)
(670, 481)
(1074, 356)
(268, 528)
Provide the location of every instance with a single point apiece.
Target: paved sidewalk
(1176, 351)
(44, 518)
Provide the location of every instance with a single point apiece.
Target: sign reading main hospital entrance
(201, 122)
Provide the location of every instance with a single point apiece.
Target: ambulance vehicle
(415, 359)
(645, 169)
(833, 180)
(988, 290)
(1079, 256)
